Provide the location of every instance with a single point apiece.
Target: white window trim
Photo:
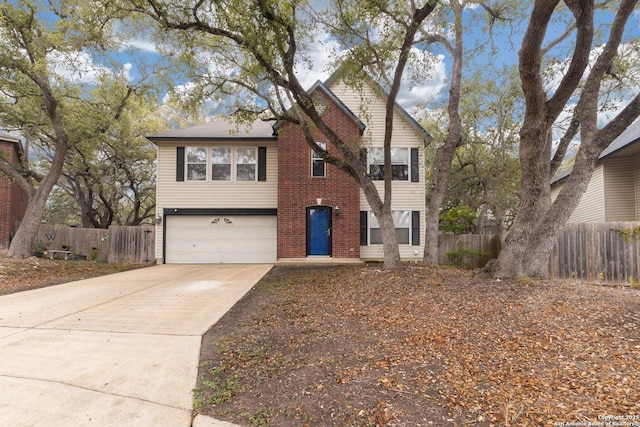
(234, 159)
(373, 220)
(314, 157)
(212, 164)
(187, 163)
(407, 162)
(209, 163)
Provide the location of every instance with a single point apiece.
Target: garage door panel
(221, 239)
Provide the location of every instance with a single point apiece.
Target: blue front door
(319, 231)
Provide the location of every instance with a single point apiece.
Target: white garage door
(207, 239)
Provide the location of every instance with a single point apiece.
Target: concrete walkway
(117, 350)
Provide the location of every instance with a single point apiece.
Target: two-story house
(261, 194)
(13, 199)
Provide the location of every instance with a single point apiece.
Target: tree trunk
(20, 247)
(534, 198)
(390, 241)
(444, 154)
(535, 259)
(479, 229)
(21, 244)
(441, 172)
(385, 220)
(538, 222)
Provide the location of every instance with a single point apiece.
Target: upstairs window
(246, 160)
(221, 164)
(399, 163)
(318, 167)
(196, 164)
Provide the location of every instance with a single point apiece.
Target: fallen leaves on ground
(421, 346)
(32, 273)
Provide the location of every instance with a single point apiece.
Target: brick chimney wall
(298, 190)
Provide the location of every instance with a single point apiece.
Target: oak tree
(43, 47)
(582, 82)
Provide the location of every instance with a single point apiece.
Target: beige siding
(406, 195)
(636, 172)
(619, 190)
(208, 194)
(591, 206)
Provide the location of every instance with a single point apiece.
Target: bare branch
(583, 11)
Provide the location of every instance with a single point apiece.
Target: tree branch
(583, 11)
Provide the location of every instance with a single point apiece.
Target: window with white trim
(221, 164)
(246, 161)
(401, 222)
(318, 166)
(399, 163)
(196, 164)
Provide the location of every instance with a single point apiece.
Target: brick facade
(298, 190)
(13, 200)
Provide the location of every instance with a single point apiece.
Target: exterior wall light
(337, 210)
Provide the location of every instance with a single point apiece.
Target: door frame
(329, 209)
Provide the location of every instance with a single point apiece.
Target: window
(196, 163)
(246, 164)
(402, 223)
(399, 163)
(221, 164)
(318, 167)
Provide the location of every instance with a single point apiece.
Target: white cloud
(425, 76)
(142, 45)
(80, 68)
(126, 71)
(424, 82)
(76, 67)
(322, 52)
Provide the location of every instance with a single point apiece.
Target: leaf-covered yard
(422, 346)
(32, 273)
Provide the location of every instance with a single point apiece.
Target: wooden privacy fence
(591, 251)
(467, 250)
(116, 245)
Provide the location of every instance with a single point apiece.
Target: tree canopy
(52, 57)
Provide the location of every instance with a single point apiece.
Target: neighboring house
(613, 193)
(260, 194)
(13, 199)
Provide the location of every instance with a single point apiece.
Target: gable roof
(8, 138)
(340, 72)
(219, 130)
(318, 85)
(13, 140)
(627, 140)
(630, 136)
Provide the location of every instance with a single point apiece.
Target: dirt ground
(33, 273)
(360, 346)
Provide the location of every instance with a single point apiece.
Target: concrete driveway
(117, 350)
